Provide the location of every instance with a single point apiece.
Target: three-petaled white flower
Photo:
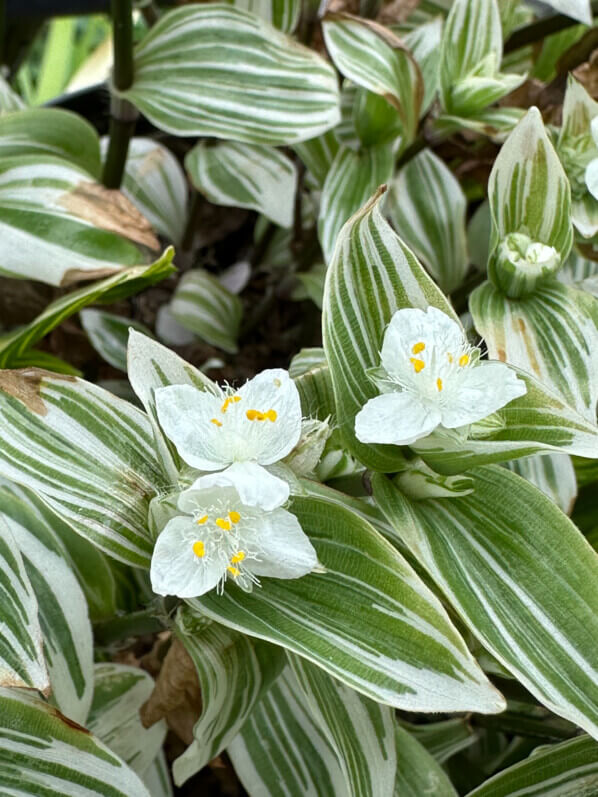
(220, 537)
(431, 376)
(236, 432)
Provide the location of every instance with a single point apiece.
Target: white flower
(431, 376)
(219, 537)
(237, 430)
(591, 173)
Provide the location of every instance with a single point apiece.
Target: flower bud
(520, 264)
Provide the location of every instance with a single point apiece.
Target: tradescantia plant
(361, 563)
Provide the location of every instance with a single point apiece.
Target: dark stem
(538, 30)
(134, 624)
(123, 114)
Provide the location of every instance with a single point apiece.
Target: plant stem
(123, 114)
(538, 30)
(133, 624)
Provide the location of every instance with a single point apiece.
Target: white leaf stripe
(521, 577)
(232, 674)
(554, 474)
(43, 752)
(318, 154)
(283, 14)
(397, 646)
(372, 274)
(88, 454)
(220, 71)
(281, 751)
(21, 652)
(206, 308)
(247, 176)
(443, 739)
(109, 335)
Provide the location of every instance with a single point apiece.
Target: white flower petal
(185, 414)
(175, 569)
(254, 484)
(591, 177)
(594, 129)
(395, 418)
(269, 440)
(483, 390)
(288, 551)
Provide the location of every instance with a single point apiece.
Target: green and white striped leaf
(63, 616)
(538, 421)
(372, 274)
(318, 155)
(9, 99)
(470, 56)
(58, 226)
(54, 132)
(157, 777)
(396, 646)
(205, 307)
(443, 739)
(552, 334)
(109, 335)
(155, 183)
(554, 474)
(283, 14)
(517, 571)
(87, 562)
(361, 732)
(317, 394)
(424, 44)
(22, 660)
(241, 175)
(569, 769)
(373, 57)
(305, 360)
(89, 455)
(427, 208)
(216, 70)
(120, 692)
(418, 773)
(352, 179)
(580, 10)
(44, 752)
(234, 671)
(495, 122)
(281, 750)
(14, 346)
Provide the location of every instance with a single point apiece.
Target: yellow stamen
(439, 384)
(463, 360)
(256, 415)
(234, 571)
(234, 516)
(271, 415)
(252, 415)
(202, 520)
(223, 524)
(238, 557)
(417, 364)
(215, 421)
(228, 401)
(277, 382)
(419, 347)
(199, 549)
(450, 357)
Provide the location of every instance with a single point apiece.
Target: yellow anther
(256, 415)
(202, 520)
(234, 571)
(199, 549)
(236, 398)
(463, 360)
(271, 415)
(238, 557)
(277, 382)
(234, 516)
(439, 384)
(419, 347)
(253, 415)
(450, 358)
(215, 421)
(417, 364)
(223, 524)
(228, 401)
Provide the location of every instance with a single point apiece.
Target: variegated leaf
(372, 274)
(155, 183)
(88, 454)
(9, 99)
(318, 155)
(109, 335)
(63, 616)
(352, 179)
(44, 752)
(157, 777)
(373, 57)
(517, 571)
(417, 772)
(552, 334)
(427, 208)
(119, 693)
(22, 660)
(245, 176)
(16, 345)
(443, 739)
(577, 9)
(424, 44)
(554, 474)
(361, 732)
(281, 750)
(216, 70)
(205, 307)
(396, 646)
(283, 14)
(234, 671)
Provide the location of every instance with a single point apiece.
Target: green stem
(134, 624)
(540, 29)
(123, 114)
